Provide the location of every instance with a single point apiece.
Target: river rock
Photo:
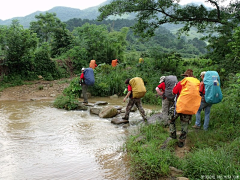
(99, 103)
(108, 112)
(119, 121)
(95, 110)
(156, 118)
(82, 107)
(115, 96)
(118, 107)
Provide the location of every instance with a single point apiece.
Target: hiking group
(179, 99)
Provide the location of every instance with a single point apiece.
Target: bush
(65, 102)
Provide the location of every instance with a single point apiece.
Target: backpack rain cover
(213, 93)
(89, 76)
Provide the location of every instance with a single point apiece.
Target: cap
(202, 73)
(188, 73)
(162, 78)
(83, 69)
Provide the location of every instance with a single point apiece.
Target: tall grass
(147, 159)
(212, 163)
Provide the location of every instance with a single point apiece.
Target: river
(40, 142)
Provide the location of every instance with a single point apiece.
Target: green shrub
(74, 89)
(65, 102)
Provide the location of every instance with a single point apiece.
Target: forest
(55, 49)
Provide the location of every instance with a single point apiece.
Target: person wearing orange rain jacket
(184, 118)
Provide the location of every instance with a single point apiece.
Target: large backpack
(213, 93)
(170, 82)
(189, 99)
(138, 87)
(92, 64)
(89, 76)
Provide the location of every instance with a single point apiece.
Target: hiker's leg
(84, 92)
(198, 115)
(172, 127)
(138, 103)
(207, 117)
(185, 120)
(128, 108)
(165, 107)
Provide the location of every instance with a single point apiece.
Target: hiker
(93, 64)
(132, 101)
(166, 104)
(184, 118)
(114, 63)
(204, 105)
(84, 87)
(140, 60)
(164, 89)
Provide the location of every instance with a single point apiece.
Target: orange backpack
(114, 63)
(92, 64)
(189, 99)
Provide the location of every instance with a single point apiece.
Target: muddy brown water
(38, 141)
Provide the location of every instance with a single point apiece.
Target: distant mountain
(66, 13)
(63, 13)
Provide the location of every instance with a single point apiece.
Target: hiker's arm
(128, 94)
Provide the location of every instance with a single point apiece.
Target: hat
(188, 73)
(162, 79)
(202, 73)
(83, 69)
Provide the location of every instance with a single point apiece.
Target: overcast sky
(20, 8)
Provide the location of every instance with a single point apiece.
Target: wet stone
(108, 112)
(99, 103)
(119, 121)
(95, 110)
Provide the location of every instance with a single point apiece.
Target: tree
(45, 26)
(101, 44)
(50, 29)
(217, 22)
(150, 14)
(19, 46)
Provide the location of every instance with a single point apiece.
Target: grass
(214, 154)
(148, 160)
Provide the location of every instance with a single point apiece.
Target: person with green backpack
(210, 92)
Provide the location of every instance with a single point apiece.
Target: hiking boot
(173, 135)
(196, 127)
(124, 118)
(180, 144)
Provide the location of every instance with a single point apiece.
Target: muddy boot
(180, 144)
(173, 135)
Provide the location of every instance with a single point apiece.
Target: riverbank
(35, 90)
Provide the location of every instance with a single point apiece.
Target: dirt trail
(35, 90)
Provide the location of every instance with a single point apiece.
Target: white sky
(20, 8)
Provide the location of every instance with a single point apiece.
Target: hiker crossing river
(38, 141)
